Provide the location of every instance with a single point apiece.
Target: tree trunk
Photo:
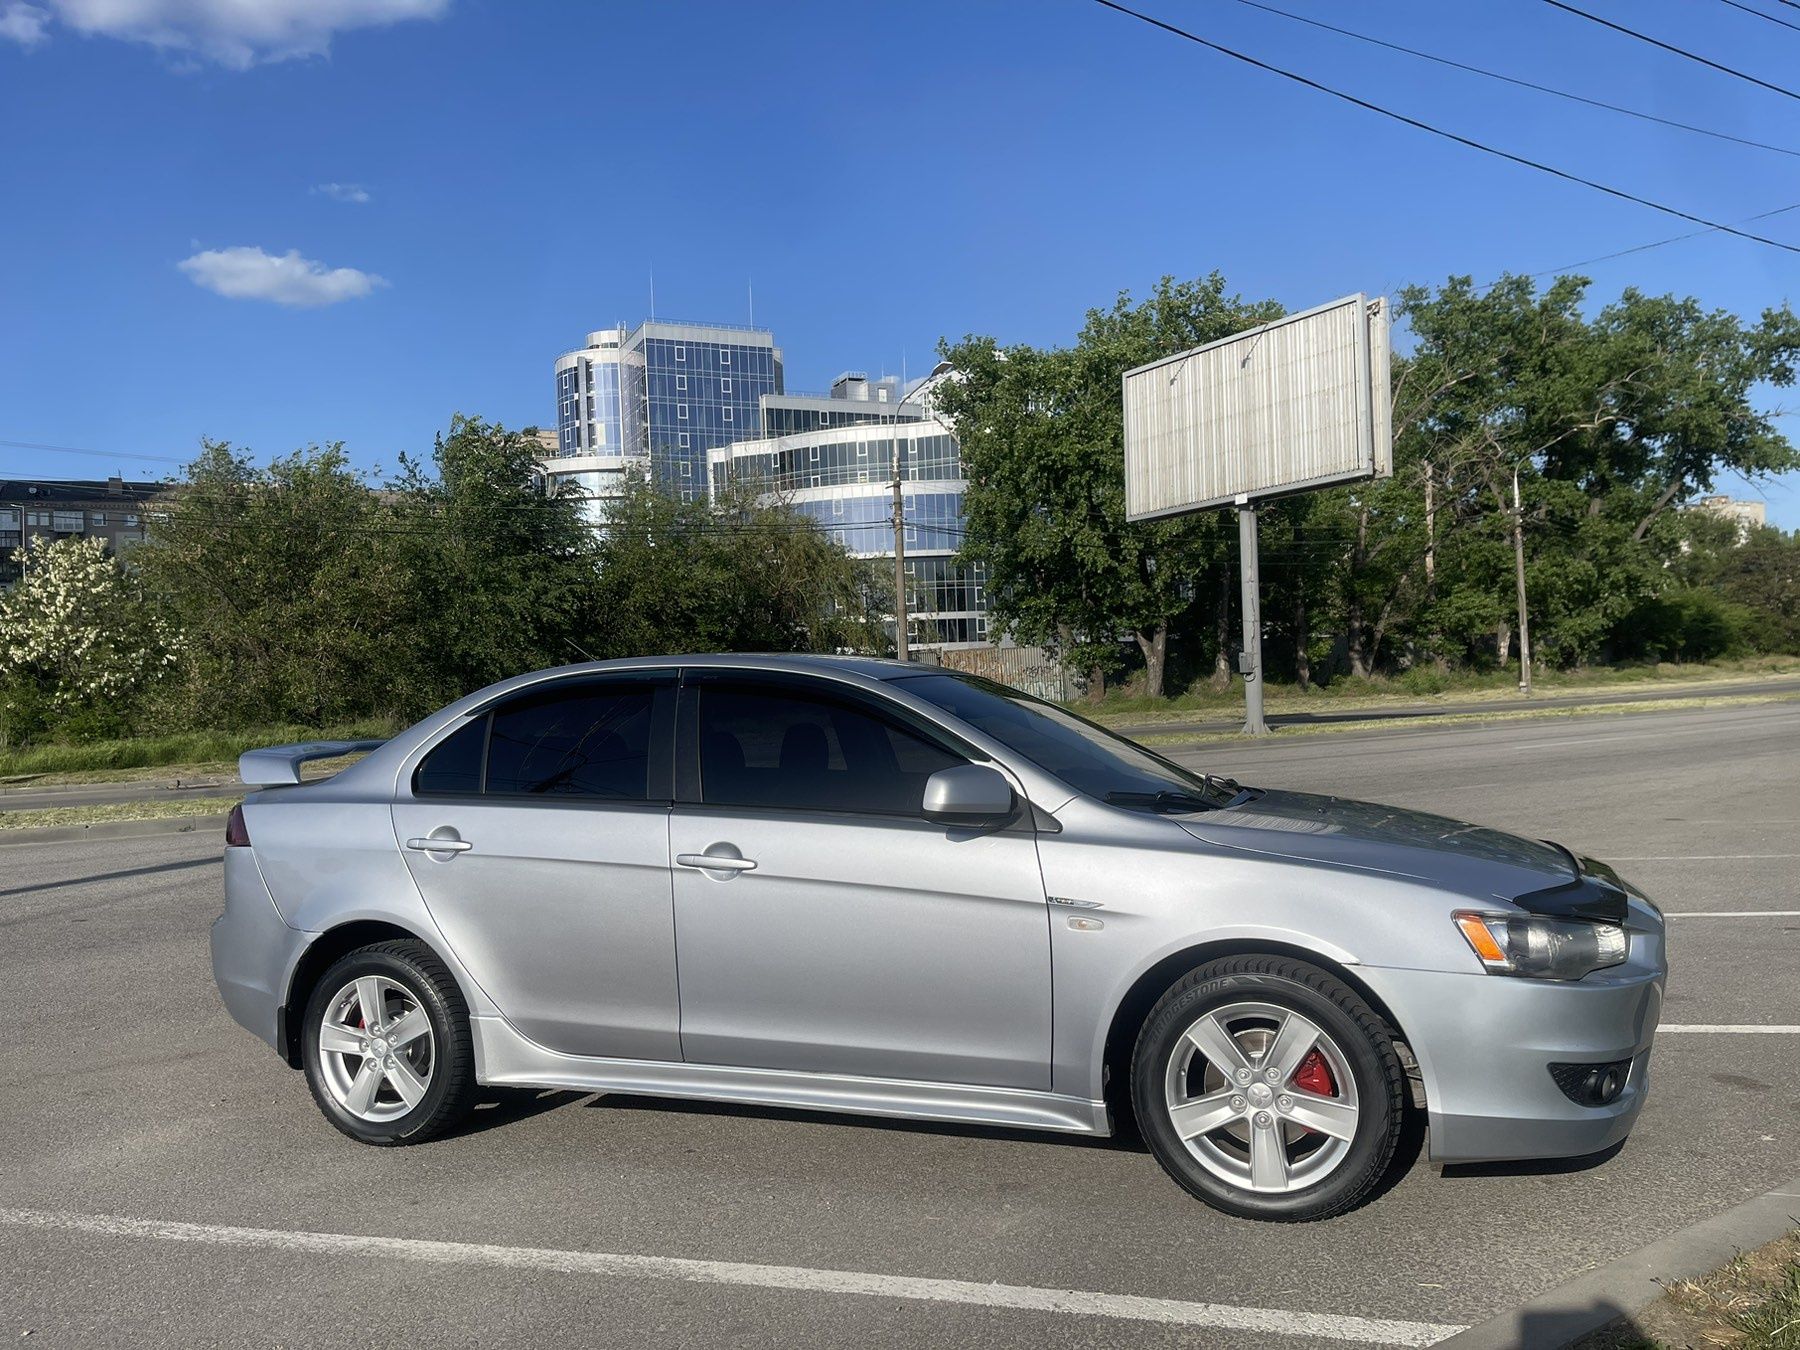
(1503, 640)
(1096, 685)
(1302, 639)
(1353, 611)
(1156, 650)
(1353, 639)
(1430, 533)
(1221, 676)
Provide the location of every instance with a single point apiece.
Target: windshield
(1087, 757)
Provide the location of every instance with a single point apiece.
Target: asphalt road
(125, 1090)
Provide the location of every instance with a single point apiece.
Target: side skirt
(504, 1058)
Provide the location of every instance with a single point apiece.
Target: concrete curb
(146, 786)
(1613, 1292)
(113, 829)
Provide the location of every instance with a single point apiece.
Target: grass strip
(1351, 695)
(1465, 719)
(1752, 1302)
(150, 809)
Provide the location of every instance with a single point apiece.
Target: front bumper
(253, 951)
(1484, 1044)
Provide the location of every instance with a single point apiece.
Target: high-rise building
(702, 407)
(659, 397)
(841, 473)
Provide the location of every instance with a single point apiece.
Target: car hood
(1343, 832)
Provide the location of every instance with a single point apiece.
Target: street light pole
(1250, 664)
(1518, 540)
(900, 642)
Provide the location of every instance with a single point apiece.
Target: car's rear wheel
(386, 1045)
(1268, 1089)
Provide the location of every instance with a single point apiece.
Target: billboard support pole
(1250, 659)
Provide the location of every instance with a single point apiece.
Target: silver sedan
(856, 885)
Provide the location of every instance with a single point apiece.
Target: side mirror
(970, 795)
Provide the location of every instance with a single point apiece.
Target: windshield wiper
(1161, 801)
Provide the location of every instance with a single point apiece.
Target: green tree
(287, 580)
(499, 576)
(1042, 437)
(735, 574)
(81, 645)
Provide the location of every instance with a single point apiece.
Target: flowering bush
(80, 646)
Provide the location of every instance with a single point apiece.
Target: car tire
(414, 1088)
(1244, 1142)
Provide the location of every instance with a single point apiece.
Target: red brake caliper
(1314, 1075)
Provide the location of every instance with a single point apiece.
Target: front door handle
(446, 844)
(714, 862)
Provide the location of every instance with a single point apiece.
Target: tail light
(237, 834)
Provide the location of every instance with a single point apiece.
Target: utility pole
(1518, 524)
(900, 643)
(1250, 659)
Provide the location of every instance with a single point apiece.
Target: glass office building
(693, 388)
(658, 398)
(854, 400)
(700, 407)
(841, 476)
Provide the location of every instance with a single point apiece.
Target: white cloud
(343, 192)
(23, 23)
(246, 273)
(235, 33)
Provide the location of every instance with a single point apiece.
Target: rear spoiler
(277, 765)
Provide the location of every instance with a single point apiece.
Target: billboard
(1300, 403)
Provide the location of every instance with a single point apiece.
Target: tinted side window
(584, 741)
(785, 749)
(454, 766)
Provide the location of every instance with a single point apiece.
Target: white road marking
(1734, 914)
(1634, 734)
(1737, 1029)
(1130, 1307)
(1701, 857)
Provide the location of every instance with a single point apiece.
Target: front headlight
(1547, 949)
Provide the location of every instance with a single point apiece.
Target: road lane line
(1734, 914)
(1727, 1029)
(1130, 1307)
(1700, 857)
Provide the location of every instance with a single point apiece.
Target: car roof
(870, 667)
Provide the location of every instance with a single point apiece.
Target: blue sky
(508, 173)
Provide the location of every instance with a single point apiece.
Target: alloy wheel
(376, 1048)
(1263, 1098)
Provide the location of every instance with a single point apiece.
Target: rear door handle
(713, 862)
(449, 845)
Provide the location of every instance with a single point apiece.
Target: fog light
(1592, 1084)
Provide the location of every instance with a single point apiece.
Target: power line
(1563, 174)
(1737, 4)
(1525, 84)
(1671, 47)
(1660, 243)
(98, 454)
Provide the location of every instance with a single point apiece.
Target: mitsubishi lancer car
(870, 886)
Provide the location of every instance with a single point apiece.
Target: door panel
(552, 884)
(843, 933)
(562, 913)
(884, 948)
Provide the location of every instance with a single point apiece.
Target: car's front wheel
(386, 1045)
(1268, 1089)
